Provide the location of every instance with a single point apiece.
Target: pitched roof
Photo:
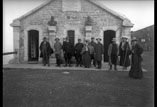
(126, 21)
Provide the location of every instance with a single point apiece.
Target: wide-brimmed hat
(87, 40)
(67, 37)
(134, 39)
(113, 39)
(92, 37)
(98, 38)
(125, 37)
(57, 39)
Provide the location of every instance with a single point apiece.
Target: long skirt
(136, 69)
(86, 58)
(124, 60)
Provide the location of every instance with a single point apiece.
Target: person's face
(124, 39)
(67, 40)
(79, 41)
(98, 40)
(113, 42)
(45, 40)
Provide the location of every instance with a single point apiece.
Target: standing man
(124, 52)
(99, 52)
(68, 52)
(78, 48)
(113, 54)
(58, 47)
(93, 54)
(45, 49)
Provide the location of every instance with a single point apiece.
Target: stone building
(61, 18)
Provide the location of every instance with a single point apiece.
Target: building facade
(61, 18)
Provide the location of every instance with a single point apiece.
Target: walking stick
(125, 56)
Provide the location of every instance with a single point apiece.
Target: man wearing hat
(124, 52)
(99, 50)
(45, 49)
(113, 54)
(68, 51)
(136, 69)
(92, 43)
(58, 47)
(78, 47)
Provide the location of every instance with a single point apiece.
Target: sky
(141, 14)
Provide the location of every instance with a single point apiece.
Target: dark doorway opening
(108, 35)
(71, 35)
(33, 45)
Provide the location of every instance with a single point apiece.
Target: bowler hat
(113, 39)
(92, 38)
(98, 38)
(44, 38)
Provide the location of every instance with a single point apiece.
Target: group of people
(90, 53)
(84, 54)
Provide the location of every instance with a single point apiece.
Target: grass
(47, 88)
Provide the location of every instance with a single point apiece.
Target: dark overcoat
(78, 48)
(99, 50)
(68, 48)
(124, 54)
(47, 51)
(136, 69)
(93, 44)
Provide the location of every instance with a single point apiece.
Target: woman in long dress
(86, 59)
(136, 69)
(124, 52)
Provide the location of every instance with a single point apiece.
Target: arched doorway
(71, 35)
(108, 35)
(33, 45)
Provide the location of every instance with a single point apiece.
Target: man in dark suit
(68, 52)
(93, 54)
(99, 50)
(45, 49)
(78, 48)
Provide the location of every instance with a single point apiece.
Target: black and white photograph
(78, 53)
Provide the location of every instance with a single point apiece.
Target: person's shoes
(124, 68)
(48, 65)
(44, 65)
(65, 65)
(98, 68)
(76, 65)
(110, 69)
(70, 65)
(115, 69)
